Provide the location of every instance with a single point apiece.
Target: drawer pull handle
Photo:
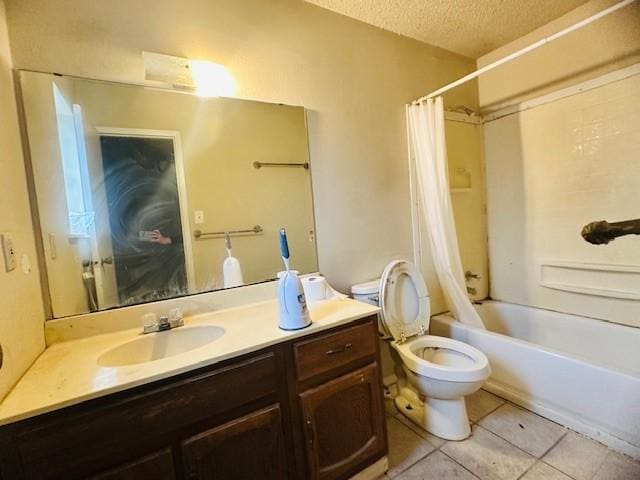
(344, 348)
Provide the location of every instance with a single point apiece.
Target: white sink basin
(156, 346)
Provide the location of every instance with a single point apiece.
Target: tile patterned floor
(507, 443)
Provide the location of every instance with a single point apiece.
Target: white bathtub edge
(607, 439)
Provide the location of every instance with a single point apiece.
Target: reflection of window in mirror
(72, 151)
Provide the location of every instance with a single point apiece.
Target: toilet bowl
(439, 372)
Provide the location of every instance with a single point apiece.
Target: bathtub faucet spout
(603, 232)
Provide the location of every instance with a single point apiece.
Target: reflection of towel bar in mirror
(256, 230)
(259, 165)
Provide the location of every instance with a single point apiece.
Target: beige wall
(22, 312)
(555, 168)
(354, 79)
(608, 44)
(468, 196)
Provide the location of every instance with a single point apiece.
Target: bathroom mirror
(135, 188)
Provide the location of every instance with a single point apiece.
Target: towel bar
(256, 230)
(259, 165)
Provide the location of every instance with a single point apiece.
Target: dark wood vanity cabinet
(158, 465)
(305, 409)
(342, 425)
(227, 451)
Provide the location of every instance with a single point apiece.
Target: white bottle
(294, 313)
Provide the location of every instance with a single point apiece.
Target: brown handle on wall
(602, 232)
(344, 348)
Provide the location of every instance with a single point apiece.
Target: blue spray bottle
(294, 314)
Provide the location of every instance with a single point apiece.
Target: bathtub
(580, 372)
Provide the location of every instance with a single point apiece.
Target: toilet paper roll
(315, 288)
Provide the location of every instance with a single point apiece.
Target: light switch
(8, 252)
(198, 217)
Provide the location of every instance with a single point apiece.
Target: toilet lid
(404, 300)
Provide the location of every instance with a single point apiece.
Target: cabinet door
(158, 466)
(344, 424)
(249, 447)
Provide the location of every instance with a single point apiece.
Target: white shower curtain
(426, 123)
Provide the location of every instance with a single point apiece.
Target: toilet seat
(404, 301)
(405, 312)
(463, 363)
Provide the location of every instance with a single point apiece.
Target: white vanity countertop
(68, 373)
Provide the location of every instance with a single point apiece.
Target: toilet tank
(369, 292)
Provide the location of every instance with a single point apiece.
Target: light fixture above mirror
(207, 79)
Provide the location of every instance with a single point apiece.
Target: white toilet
(439, 371)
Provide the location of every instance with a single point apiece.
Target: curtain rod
(527, 49)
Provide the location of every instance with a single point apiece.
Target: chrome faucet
(166, 322)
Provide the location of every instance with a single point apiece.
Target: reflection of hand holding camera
(155, 236)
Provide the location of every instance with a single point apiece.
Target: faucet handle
(176, 317)
(149, 322)
(468, 275)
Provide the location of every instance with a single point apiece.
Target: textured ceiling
(469, 27)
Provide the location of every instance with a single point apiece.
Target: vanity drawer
(334, 350)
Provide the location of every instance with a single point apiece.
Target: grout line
(456, 462)
(411, 465)
(419, 459)
(487, 414)
(566, 431)
(550, 466)
(558, 470)
(528, 470)
(516, 446)
(399, 416)
(504, 402)
(510, 443)
(536, 414)
(602, 463)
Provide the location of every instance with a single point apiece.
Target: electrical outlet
(8, 252)
(198, 217)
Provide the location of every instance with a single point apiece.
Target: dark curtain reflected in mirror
(144, 214)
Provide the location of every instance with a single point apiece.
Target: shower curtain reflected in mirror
(426, 130)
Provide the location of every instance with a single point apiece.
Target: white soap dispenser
(231, 269)
(294, 314)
